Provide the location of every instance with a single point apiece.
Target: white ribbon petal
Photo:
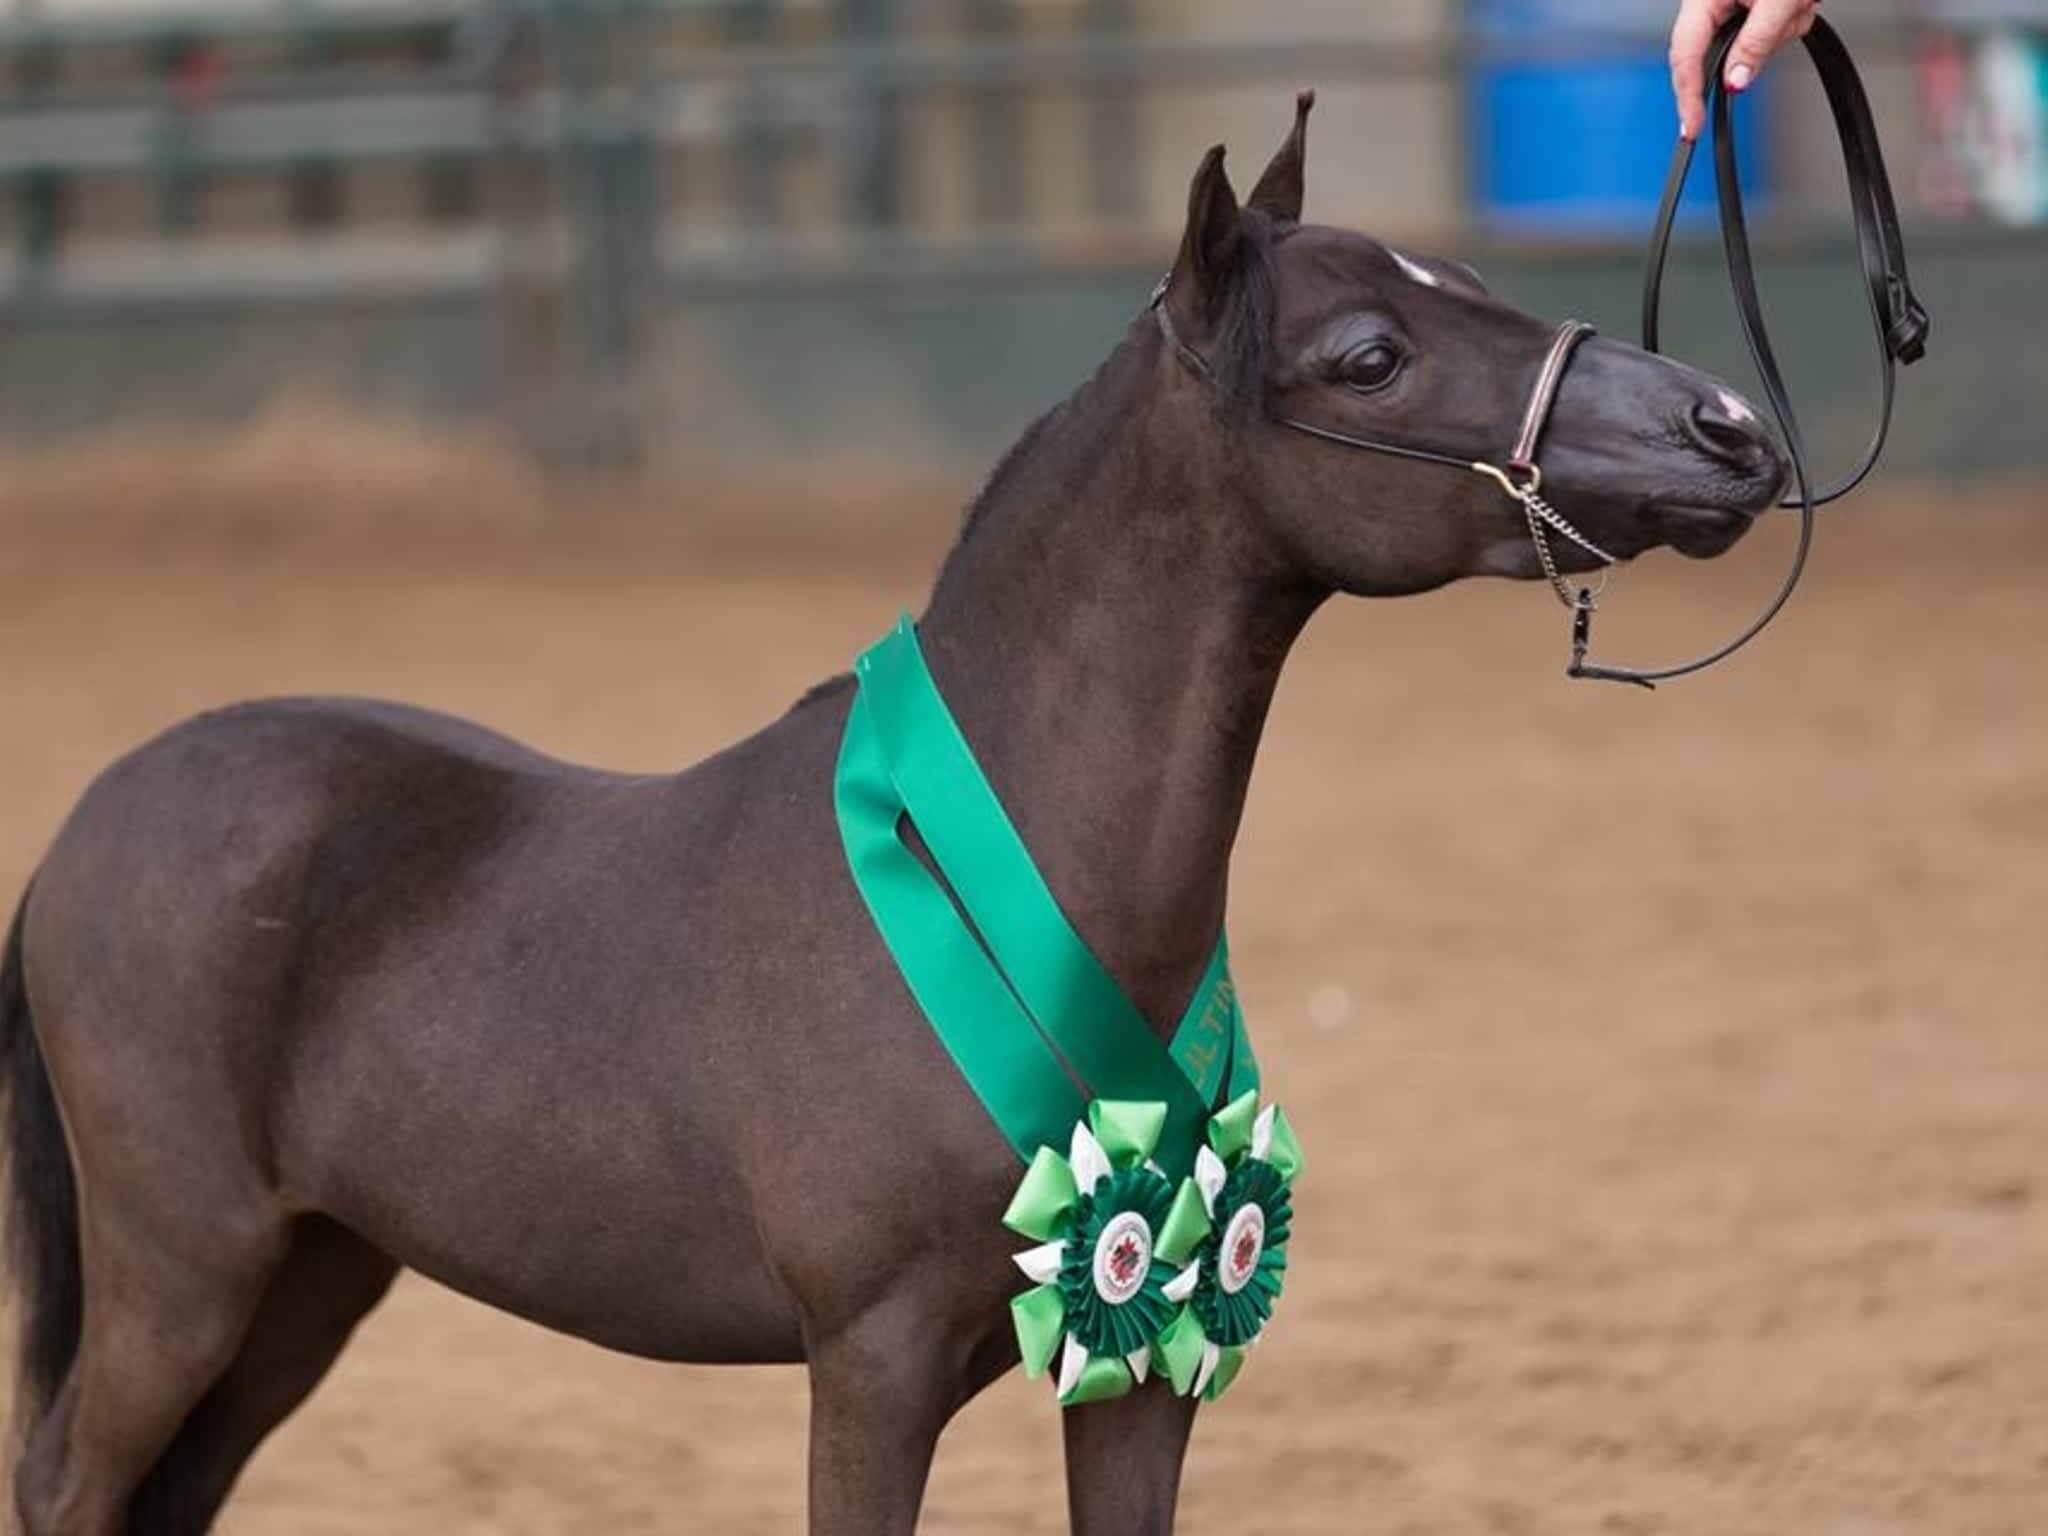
(1182, 1285)
(1211, 1354)
(1042, 1264)
(1140, 1362)
(1072, 1358)
(1262, 1132)
(1089, 1162)
(1209, 1177)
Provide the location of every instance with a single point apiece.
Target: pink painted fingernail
(1740, 76)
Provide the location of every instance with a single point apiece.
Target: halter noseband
(1900, 321)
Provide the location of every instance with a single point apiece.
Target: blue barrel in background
(1575, 140)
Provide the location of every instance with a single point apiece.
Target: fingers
(1691, 36)
(1771, 25)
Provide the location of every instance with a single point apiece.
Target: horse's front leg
(882, 1389)
(1123, 1462)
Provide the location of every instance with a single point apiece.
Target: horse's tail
(43, 1235)
(43, 1245)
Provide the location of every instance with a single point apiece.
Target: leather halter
(1901, 324)
(1518, 474)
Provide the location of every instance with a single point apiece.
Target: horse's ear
(1209, 243)
(1279, 190)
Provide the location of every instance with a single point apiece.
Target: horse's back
(224, 801)
(328, 749)
(215, 849)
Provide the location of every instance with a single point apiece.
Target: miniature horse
(310, 990)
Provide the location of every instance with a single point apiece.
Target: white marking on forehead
(1415, 269)
(1737, 407)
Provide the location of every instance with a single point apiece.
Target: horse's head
(1328, 329)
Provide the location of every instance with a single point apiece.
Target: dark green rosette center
(1260, 1255)
(1240, 1206)
(1123, 1328)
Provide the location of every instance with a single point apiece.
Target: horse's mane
(1241, 320)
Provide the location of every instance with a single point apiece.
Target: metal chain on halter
(1539, 513)
(1528, 489)
(1535, 507)
(1584, 600)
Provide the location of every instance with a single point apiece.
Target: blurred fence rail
(620, 225)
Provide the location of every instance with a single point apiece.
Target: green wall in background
(960, 370)
(937, 374)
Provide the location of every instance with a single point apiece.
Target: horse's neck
(1109, 635)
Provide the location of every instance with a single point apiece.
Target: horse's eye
(1372, 366)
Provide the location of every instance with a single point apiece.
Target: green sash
(1032, 1019)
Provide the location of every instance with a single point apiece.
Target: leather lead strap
(1899, 319)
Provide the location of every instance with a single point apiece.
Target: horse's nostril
(1737, 439)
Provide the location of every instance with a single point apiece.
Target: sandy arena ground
(1672, 1067)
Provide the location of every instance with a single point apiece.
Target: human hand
(1771, 25)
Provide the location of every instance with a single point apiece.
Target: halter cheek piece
(1900, 322)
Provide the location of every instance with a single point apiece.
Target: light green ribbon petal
(1039, 1208)
(1041, 1317)
(1128, 1131)
(1179, 1350)
(1101, 1380)
(1230, 1129)
(1285, 1152)
(1228, 1364)
(1186, 1224)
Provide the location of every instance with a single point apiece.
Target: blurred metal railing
(548, 139)
(654, 79)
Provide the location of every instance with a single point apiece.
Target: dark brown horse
(310, 990)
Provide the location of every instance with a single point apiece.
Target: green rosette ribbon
(1111, 1265)
(1238, 1206)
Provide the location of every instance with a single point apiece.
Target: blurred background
(653, 230)
(1670, 1065)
